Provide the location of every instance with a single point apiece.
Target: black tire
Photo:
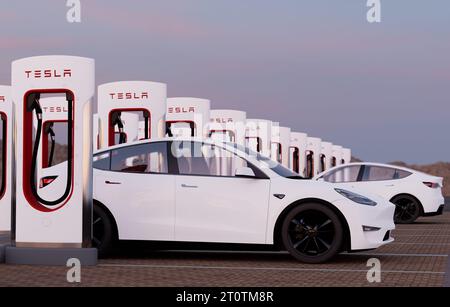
(103, 232)
(407, 209)
(312, 233)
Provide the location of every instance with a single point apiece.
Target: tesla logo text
(54, 109)
(74, 13)
(2, 98)
(181, 110)
(48, 73)
(129, 96)
(222, 120)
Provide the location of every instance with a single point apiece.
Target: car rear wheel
(103, 232)
(312, 233)
(407, 209)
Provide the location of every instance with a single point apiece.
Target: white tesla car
(414, 193)
(200, 191)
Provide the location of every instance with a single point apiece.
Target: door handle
(189, 186)
(112, 182)
(389, 185)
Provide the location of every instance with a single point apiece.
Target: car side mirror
(245, 172)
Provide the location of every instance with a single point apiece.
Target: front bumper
(370, 227)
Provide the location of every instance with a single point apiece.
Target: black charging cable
(34, 104)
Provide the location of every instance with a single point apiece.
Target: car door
(138, 189)
(212, 204)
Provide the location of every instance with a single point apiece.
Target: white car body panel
(146, 211)
(233, 210)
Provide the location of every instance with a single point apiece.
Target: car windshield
(267, 162)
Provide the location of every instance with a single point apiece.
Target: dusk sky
(316, 66)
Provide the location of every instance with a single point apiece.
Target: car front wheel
(312, 233)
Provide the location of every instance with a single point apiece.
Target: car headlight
(356, 197)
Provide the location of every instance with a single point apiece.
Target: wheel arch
(111, 216)
(422, 210)
(346, 245)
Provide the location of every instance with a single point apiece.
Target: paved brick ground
(417, 258)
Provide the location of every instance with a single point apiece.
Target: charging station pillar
(187, 117)
(6, 162)
(297, 153)
(123, 105)
(280, 143)
(227, 126)
(258, 136)
(50, 227)
(6, 120)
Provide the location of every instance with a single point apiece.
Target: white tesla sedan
(414, 193)
(204, 192)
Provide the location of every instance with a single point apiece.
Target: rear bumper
(432, 204)
(440, 211)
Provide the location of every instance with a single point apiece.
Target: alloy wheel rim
(98, 230)
(405, 209)
(311, 233)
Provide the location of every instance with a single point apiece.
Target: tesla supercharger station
(297, 153)
(346, 155)
(52, 227)
(6, 125)
(122, 105)
(325, 156)
(280, 143)
(187, 117)
(258, 136)
(336, 159)
(227, 126)
(313, 150)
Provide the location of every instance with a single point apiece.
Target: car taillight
(46, 181)
(432, 185)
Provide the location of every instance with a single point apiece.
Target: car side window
(196, 158)
(102, 161)
(400, 174)
(144, 158)
(378, 173)
(343, 174)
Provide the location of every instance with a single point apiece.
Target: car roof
(385, 165)
(164, 139)
(380, 165)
